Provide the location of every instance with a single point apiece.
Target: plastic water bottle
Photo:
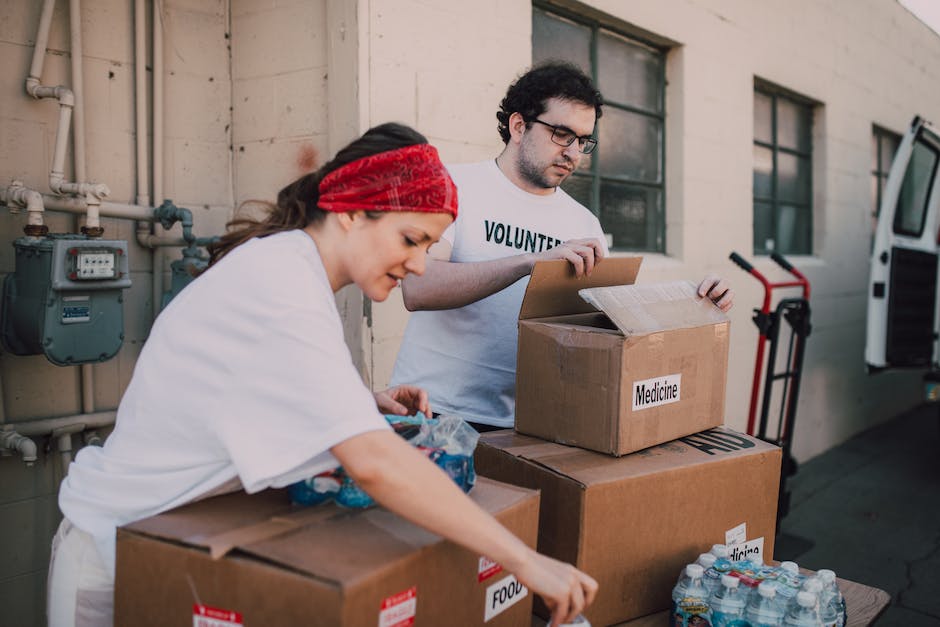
(831, 602)
(727, 604)
(803, 613)
(720, 551)
(710, 577)
(762, 610)
(788, 581)
(690, 598)
(790, 567)
(579, 621)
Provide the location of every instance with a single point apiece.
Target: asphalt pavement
(869, 509)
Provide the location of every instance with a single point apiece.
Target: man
(512, 214)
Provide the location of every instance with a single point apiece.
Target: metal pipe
(80, 206)
(46, 426)
(78, 88)
(42, 40)
(17, 195)
(140, 101)
(10, 440)
(157, 256)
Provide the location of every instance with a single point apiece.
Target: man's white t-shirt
(245, 378)
(466, 357)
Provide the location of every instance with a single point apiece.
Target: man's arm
(446, 284)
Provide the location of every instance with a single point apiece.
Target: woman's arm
(407, 483)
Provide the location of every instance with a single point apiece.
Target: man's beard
(531, 172)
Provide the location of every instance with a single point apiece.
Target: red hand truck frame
(796, 313)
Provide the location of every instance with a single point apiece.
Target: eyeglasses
(564, 136)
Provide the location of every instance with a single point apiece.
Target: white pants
(80, 590)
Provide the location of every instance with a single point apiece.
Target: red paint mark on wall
(307, 158)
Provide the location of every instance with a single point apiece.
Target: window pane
(875, 144)
(793, 124)
(579, 188)
(763, 120)
(554, 37)
(763, 228)
(876, 187)
(629, 73)
(912, 201)
(632, 214)
(763, 172)
(889, 146)
(793, 231)
(793, 178)
(629, 144)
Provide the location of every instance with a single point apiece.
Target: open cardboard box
(633, 522)
(254, 560)
(650, 368)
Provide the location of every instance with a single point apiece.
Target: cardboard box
(633, 522)
(650, 369)
(281, 566)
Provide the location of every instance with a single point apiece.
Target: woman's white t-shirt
(245, 378)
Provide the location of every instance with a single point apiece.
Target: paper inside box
(643, 309)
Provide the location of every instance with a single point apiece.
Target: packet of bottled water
(448, 441)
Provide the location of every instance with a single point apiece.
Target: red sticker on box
(205, 616)
(399, 609)
(488, 568)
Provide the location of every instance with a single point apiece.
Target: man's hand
(718, 290)
(582, 254)
(403, 400)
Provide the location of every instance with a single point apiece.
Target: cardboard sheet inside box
(288, 566)
(649, 368)
(632, 522)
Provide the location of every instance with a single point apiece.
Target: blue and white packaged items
(447, 441)
(751, 594)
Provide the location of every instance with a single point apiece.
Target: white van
(902, 298)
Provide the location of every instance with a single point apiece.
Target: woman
(245, 380)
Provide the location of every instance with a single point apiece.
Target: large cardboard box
(255, 561)
(649, 369)
(632, 522)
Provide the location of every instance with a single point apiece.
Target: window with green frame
(783, 172)
(622, 181)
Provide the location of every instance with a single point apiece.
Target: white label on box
(658, 391)
(737, 535)
(487, 568)
(205, 616)
(501, 595)
(399, 609)
(752, 550)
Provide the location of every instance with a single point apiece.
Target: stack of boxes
(618, 418)
(637, 475)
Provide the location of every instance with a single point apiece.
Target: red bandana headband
(407, 179)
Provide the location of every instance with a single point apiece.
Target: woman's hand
(403, 400)
(565, 589)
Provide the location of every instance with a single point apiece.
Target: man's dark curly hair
(551, 79)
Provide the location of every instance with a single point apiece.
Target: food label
(205, 616)
(399, 609)
(501, 595)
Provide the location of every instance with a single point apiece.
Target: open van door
(902, 292)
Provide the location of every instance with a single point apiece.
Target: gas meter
(65, 298)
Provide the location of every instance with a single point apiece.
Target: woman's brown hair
(296, 205)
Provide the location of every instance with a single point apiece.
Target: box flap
(553, 287)
(310, 539)
(643, 309)
(589, 468)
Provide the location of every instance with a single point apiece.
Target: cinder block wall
(245, 113)
(867, 62)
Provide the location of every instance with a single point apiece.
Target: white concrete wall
(866, 61)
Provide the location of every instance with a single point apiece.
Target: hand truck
(796, 313)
